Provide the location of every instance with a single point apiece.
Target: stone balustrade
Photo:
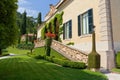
(70, 53)
(67, 51)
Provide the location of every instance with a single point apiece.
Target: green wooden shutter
(70, 29)
(63, 31)
(90, 17)
(79, 25)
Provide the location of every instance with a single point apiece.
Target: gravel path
(4, 57)
(113, 76)
(11, 54)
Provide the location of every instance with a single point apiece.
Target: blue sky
(33, 7)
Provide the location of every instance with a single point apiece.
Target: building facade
(78, 20)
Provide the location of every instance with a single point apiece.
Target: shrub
(39, 57)
(48, 42)
(25, 46)
(4, 50)
(118, 60)
(7, 54)
(70, 43)
(49, 58)
(78, 65)
(57, 61)
(62, 62)
(94, 60)
(66, 63)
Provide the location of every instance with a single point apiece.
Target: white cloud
(23, 2)
(30, 12)
(21, 9)
(26, 5)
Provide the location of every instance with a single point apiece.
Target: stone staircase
(67, 51)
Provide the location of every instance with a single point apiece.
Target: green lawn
(26, 68)
(41, 51)
(116, 70)
(14, 50)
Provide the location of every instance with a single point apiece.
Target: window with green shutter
(85, 23)
(67, 32)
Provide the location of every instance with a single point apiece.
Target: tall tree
(24, 25)
(30, 24)
(39, 21)
(8, 28)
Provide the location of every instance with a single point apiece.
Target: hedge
(25, 46)
(94, 60)
(64, 63)
(118, 60)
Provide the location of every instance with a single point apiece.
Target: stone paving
(11, 54)
(113, 76)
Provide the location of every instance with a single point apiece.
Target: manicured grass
(14, 50)
(116, 70)
(41, 51)
(26, 68)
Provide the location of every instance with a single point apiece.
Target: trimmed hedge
(25, 46)
(48, 42)
(70, 43)
(94, 60)
(118, 59)
(64, 63)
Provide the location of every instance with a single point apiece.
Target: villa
(78, 20)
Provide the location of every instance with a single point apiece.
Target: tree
(30, 24)
(24, 25)
(8, 28)
(39, 18)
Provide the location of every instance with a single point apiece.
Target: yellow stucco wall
(75, 8)
(72, 9)
(115, 12)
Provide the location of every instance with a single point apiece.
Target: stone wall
(67, 51)
(70, 53)
(39, 43)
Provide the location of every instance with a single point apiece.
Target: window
(85, 23)
(67, 33)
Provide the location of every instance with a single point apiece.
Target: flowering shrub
(48, 43)
(50, 35)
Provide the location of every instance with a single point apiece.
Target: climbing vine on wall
(53, 26)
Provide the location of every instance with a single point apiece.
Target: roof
(60, 3)
(52, 12)
(49, 16)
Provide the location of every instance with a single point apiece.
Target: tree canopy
(24, 25)
(8, 28)
(30, 23)
(39, 21)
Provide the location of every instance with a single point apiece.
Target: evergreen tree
(30, 24)
(39, 21)
(8, 28)
(24, 25)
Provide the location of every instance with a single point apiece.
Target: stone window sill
(86, 35)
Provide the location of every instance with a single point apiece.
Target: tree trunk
(0, 51)
(31, 50)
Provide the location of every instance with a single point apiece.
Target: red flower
(51, 35)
